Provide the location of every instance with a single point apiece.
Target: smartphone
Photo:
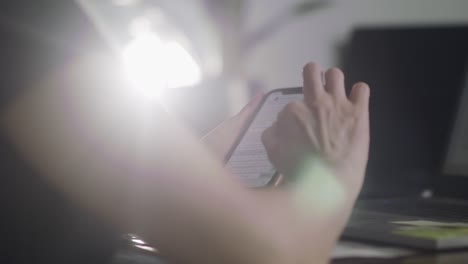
(248, 160)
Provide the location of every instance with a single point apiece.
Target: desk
(435, 258)
(136, 256)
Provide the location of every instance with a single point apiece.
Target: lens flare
(317, 189)
(154, 65)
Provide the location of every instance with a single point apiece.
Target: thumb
(223, 136)
(244, 115)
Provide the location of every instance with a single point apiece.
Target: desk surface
(436, 258)
(134, 255)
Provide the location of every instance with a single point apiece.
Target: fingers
(313, 84)
(314, 89)
(291, 118)
(270, 140)
(334, 83)
(268, 137)
(360, 94)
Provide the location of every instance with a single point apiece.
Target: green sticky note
(426, 223)
(432, 232)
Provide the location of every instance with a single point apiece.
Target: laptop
(416, 188)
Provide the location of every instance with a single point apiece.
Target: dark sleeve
(37, 223)
(23, 61)
(38, 37)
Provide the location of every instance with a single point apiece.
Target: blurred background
(203, 59)
(320, 36)
(239, 46)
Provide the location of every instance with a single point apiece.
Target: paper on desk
(431, 232)
(347, 249)
(424, 223)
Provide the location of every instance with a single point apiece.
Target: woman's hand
(327, 129)
(223, 137)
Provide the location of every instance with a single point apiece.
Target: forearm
(142, 171)
(139, 184)
(139, 170)
(189, 209)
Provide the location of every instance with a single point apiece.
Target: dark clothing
(37, 223)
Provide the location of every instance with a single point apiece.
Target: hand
(223, 137)
(326, 126)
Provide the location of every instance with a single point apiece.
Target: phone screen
(249, 160)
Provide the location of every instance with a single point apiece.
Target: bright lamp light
(155, 65)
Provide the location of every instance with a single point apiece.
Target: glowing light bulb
(143, 61)
(182, 70)
(155, 65)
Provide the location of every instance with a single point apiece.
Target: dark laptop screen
(415, 75)
(456, 161)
